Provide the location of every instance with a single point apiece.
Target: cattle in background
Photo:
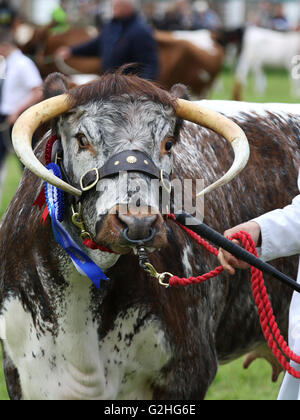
(192, 58)
(132, 339)
(264, 48)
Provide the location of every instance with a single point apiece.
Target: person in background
(262, 16)
(279, 21)
(178, 17)
(20, 86)
(204, 17)
(125, 39)
(7, 15)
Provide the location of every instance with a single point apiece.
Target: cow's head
(119, 123)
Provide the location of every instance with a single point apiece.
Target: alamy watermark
(134, 195)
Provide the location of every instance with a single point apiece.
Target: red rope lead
(96, 247)
(272, 334)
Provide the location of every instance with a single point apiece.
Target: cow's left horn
(24, 130)
(223, 126)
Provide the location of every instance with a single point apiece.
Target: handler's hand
(228, 261)
(64, 52)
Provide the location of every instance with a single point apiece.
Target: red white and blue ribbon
(55, 204)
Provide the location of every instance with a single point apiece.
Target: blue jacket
(124, 41)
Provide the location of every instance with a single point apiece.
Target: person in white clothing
(22, 84)
(20, 88)
(277, 234)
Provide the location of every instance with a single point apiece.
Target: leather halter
(128, 161)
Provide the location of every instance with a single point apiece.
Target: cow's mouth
(124, 233)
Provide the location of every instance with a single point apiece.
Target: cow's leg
(237, 91)
(241, 76)
(295, 86)
(260, 79)
(264, 352)
(189, 377)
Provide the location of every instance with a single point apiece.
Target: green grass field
(232, 381)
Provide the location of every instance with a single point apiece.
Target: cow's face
(124, 208)
(101, 122)
(122, 211)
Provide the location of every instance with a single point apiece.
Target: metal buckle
(78, 222)
(148, 268)
(160, 277)
(90, 187)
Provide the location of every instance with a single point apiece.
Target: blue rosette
(55, 199)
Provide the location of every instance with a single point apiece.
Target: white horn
(223, 126)
(23, 131)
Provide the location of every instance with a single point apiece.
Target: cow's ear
(180, 91)
(56, 84)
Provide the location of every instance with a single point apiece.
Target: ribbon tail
(45, 215)
(84, 265)
(40, 200)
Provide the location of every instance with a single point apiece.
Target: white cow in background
(266, 48)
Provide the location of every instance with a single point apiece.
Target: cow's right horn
(24, 130)
(223, 126)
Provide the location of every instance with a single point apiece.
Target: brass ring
(161, 278)
(168, 188)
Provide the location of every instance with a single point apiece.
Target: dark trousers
(4, 139)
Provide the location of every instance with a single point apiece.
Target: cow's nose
(138, 229)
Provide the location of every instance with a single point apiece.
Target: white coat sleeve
(280, 231)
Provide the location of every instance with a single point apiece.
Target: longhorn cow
(62, 337)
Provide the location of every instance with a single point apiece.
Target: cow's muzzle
(124, 232)
(139, 231)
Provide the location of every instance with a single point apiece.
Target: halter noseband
(128, 161)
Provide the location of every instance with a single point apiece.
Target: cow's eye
(82, 141)
(168, 146)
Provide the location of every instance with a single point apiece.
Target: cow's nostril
(138, 229)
